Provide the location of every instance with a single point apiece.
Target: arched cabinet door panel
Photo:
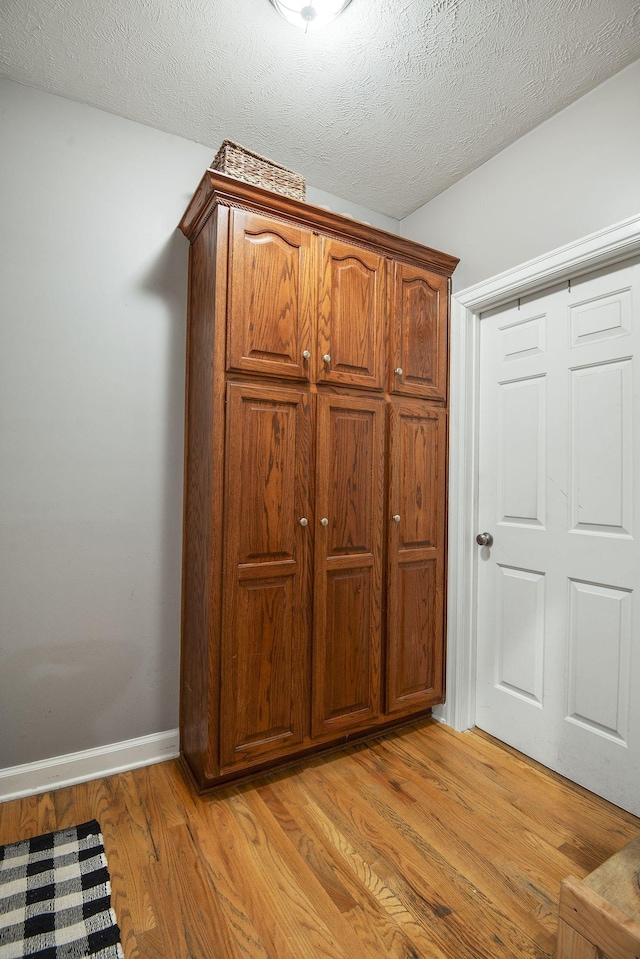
(419, 328)
(351, 321)
(270, 296)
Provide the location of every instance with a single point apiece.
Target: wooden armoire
(315, 481)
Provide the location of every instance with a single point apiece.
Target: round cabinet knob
(396, 517)
(398, 371)
(304, 521)
(484, 539)
(326, 358)
(306, 355)
(324, 521)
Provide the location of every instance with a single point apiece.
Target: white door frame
(616, 243)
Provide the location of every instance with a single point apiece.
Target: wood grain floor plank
(46, 813)
(539, 805)
(10, 828)
(524, 875)
(288, 820)
(472, 779)
(295, 907)
(378, 934)
(136, 849)
(484, 830)
(449, 906)
(555, 821)
(245, 887)
(151, 944)
(64, 808)
(386, 924)
(183, 894)
(127, 806)
(545, 795)
(162, 806)
(249, 926)
(92, 800)
(334, 903)
(411, 902)
(20, 820)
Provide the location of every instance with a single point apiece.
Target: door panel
(265, 644)
(347, 642)
(416, 585)
(558, 479)
(352, 316)
(265, 654)
(413, 677)
(419, 333)
(598, 687)
(601, 432)
(520, 633)
(270, 296)
(350, 487)
(348, 565)
(522, 453)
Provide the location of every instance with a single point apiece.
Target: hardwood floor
(423, 845)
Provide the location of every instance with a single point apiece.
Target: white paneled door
(558, 672)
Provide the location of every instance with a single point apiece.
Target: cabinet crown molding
(217, 189)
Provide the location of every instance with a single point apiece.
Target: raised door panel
(418, 350)
(265, 635)
(351, 330)
(348, 564)
(416, 588)
(270, 297)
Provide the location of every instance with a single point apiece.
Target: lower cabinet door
(264, 698)
(416, 563)
(347, 627)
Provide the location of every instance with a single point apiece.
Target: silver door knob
(304, 521)
(398, 371)
(326, 358)
(306, 355)
(484, 539)
(324, 521)
(396, 517)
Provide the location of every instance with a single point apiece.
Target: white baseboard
(31, 778)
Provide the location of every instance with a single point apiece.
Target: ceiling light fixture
(310, 14)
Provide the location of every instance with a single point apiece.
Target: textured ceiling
(387, 107)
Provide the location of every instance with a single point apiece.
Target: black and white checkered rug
(55, 897)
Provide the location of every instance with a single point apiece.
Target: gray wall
(577, 173)
(92, 325)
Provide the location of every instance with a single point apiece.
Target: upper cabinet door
(418, 351)
(270, 296)
(351, 325)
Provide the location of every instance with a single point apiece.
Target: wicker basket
(242, 164)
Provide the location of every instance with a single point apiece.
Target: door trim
(605, 247)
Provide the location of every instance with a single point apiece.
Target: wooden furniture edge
(597, 920)
(618, 879)
(215, 188)
(571, 945)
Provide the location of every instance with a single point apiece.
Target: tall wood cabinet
(315, 481)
